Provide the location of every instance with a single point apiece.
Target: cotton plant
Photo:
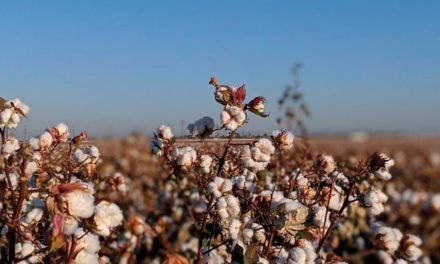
(249, 204)
(50, 212)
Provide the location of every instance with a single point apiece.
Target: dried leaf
(2, 102)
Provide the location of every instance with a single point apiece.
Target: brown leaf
(2, 102)
(175, 259)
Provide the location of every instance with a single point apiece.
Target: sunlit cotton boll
(10, 147)
(80, 203)
(284, 139)
(234, 229)
(410, 247)
(374, 201)
(70, 225)
(383, 172)
(202, 127)
(84, 257)
(164, 132)
(60, 132)
(12, 112)
(185, 156)
(206, 163)
(387, 237)
(219, 186)
(87, 241)
(232, 117)
(107, 216)
(22, 250)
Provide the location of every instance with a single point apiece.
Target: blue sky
(114, 66)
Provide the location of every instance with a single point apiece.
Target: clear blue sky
(114, 66)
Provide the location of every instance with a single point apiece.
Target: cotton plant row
(49, 185)
(247, 205)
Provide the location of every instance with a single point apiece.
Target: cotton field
(282, 198)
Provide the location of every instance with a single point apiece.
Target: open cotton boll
(232, 117)
(234, 229)
(219, 186)
(61, 132)
(206, 163)
(107, 216)
(87, 241)
(337, 198)
(185, 156)
(80, 203)
(374, 201)
(298, 255)
(10, 147)
(70, 225)
(265, 145)
(84, 257)
(164, 132)
(22, 250)
(381, 164)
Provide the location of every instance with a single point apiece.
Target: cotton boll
(70, 225)
(337, 198)
(34, 143)
(232, 117)
(80, 203)
(373, 200)
(384, 257)
(87, 242)
(381, 164)
(84, 257)
(319, 216)
(298, 255)
(107, 216)
(265, 145)
(165, 133)
(219, 186)
(61, 132)
(233, 205)
(22, 250)
(5, 116)
(234, 229)
(206, 163)
(33, 216)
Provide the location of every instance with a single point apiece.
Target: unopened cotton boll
(80, 203)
